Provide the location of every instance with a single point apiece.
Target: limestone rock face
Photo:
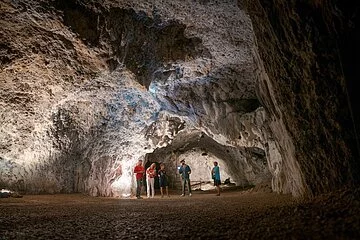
(307, 84)
(89, 87)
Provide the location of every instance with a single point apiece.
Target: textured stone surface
(233, 215)
(88, 88)
(307, 86)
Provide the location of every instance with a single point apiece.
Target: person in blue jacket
(215, 173)
(185, 171)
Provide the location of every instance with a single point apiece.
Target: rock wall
(87, 88)
(303, 46)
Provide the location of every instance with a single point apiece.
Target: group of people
(184, 171)
(151, 173)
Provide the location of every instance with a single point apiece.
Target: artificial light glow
(122, 186)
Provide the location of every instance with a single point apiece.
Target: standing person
(139, 170)
(163, 180)
(150, 175)
(185, 172)
(215, 173)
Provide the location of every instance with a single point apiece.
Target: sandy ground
(233, 215)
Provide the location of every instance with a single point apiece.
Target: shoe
(182, 195)
(139, 197)
(190, 194)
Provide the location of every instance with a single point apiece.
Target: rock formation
(89, 87)
(309, 90)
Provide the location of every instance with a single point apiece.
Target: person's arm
(189, 170)
(180, 170)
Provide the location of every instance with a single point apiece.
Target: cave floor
(233, 215)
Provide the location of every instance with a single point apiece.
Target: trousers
(150, 187)
(185, 182)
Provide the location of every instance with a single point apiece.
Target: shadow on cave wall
(67, 139)
(132, 39)
(308, 52)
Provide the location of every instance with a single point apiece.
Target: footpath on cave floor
(233, 215)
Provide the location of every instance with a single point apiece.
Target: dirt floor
(233, 215)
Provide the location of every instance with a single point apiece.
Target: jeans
(150, 186)
(185, 181)
(139, 183)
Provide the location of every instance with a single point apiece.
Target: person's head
(153, 165)
(215, 163)
(182, 162)
(162, 166)
(139, 163)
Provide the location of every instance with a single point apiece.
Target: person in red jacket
(139, 170)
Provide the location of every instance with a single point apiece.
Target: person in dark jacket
(185, 171)
(163, 181)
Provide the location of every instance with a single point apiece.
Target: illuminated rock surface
(86, 89)
(89, 90)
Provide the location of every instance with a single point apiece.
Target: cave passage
(265, 88)
(200, 151)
